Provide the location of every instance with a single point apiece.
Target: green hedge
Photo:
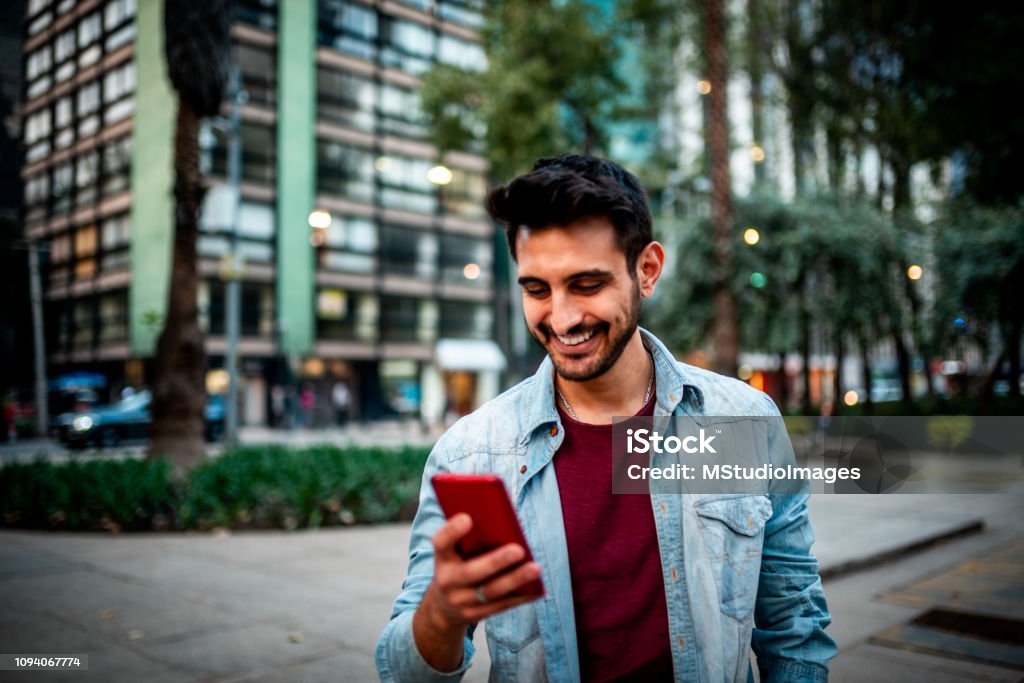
(251, 487)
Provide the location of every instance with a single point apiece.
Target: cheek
(533, 311)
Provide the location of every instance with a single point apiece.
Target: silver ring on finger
(480, 597)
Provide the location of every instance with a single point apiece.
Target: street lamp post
(36, 295)
(234, 270)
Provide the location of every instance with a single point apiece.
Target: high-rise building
(395, 299)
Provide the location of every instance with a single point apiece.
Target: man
(639, 587)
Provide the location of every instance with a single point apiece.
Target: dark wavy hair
(564, 189)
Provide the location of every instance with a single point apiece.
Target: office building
(395, 298)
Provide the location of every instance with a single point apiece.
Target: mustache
(548, 333)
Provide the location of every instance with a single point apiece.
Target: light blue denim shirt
(738, 569)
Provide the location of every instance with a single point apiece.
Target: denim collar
(674, 386)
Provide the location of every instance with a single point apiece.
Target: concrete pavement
(307, 606)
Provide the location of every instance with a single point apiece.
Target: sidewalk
(307, 606)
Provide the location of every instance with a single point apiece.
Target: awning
(469, 354)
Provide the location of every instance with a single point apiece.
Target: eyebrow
(594, 273)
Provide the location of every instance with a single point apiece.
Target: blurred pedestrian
(307, 401)
(341, 397)
(277, 406)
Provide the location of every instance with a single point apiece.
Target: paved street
(307, 606)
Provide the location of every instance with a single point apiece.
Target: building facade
(330, 123)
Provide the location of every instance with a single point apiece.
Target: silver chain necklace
(647, 394)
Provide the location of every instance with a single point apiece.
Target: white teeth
(578, 339)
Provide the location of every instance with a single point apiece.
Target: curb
(870, 561)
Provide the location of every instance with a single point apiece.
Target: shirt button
(664, 509)
(522, 470)
(682, 642)
(554, 431)
(673, 573)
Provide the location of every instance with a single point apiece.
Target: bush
(250, 487)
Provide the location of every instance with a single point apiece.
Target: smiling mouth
(575, 340)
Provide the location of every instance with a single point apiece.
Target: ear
(649, 266)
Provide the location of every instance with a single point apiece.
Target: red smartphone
(484, 498)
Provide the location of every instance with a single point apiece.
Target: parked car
(107, 426)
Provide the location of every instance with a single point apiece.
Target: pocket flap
(745, 515)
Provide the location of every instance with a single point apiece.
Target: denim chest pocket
(733, 533)
(515, 646)
(514, 628)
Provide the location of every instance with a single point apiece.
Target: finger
(503, 585)
(446, 538)
(497, 589)
(478, 612)
(479, 569)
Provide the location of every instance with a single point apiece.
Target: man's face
(580, 299)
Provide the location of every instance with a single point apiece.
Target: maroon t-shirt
(617, 585)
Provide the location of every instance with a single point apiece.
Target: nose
(565, 313)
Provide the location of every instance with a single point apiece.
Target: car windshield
(134, 402)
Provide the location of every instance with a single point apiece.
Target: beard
(606, 356)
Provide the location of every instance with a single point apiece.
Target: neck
(619, 391)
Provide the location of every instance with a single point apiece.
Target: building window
(404, 184)
(37, 126)
(81, 336)
(401, 113)
(460, 319)
(259, 73)
(350, 246)
(117, 161)
(464, 195)
(119, 82)
(85, 252)
(258, 154)
(89, 30)
(40, 23)
(36, 6)
(348, 316)
(88, 98)
(86, 173)
(38, 63)
(466, 12)
(408, 251)
(117, 12)
(465, 260)
(37, 189)
(63, 175)
(406, 319)
(407, 45)
(116, 232)
(259, 13)
(345, 99)
(344, 171)
(60, 249)
(461, 53)
(347, 27)
(62, 113)
(114, 317)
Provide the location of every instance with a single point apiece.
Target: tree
(981, 259)
(550, 85)
(726, 327)
(197, 46)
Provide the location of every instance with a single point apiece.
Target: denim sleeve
(397, 656)
(791, 614)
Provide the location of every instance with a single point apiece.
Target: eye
(535, 291)
(587, 287)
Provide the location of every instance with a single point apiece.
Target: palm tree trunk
(725, 333)
(179, 395)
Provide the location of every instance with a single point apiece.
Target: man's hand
(453, 599)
